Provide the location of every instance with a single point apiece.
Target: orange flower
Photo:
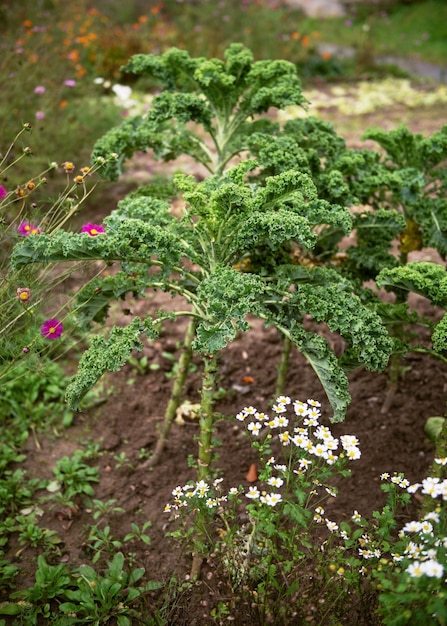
(142, 19)
(305, 41)
(27, 23)
(326, 55)
(63, 104)
(73, 55)
(295, 35)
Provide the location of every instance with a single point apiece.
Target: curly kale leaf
(316, 137)
(93, 299)
(439, 336)
(424, 278)
(226, 297)
(319, 355)
(375, 233)
(406, 149)
(167, 139)
(173, 68)
(145, 208)
(319, 212)
(107, 355)
(430, 215)
(286, 190)
(271, 230)
(122, 141)
(221, 95)
(325, 364)
(218, 197)
(124, 239)
(185, 107)
(271, 84)
(344, 313)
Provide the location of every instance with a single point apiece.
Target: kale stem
(205, 454)
(206, 417)
(176, 393)
(283, 366)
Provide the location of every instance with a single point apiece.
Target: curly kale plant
(237, 247)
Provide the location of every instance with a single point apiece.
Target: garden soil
(130, 406)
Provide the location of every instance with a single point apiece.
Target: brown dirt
(127, 422)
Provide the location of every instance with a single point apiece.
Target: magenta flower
(3, 192)
(26, 229)
(40, 115)
(52, 329)
(70, 82)
(40, 89)
(93, 229)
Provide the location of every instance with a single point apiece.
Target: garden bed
(121, 430)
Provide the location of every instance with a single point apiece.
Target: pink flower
(70, 82)
(3, 192)
(23, 294)
(93, 229)
(40, 115)
(26, 229)
(52, 329)
(40, 89)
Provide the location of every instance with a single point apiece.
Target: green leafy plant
(235, 219)
(100, 598)
(101, 540)
(74, 478)
(37, 602)
(81, 597)
(229, 254)
(411, 576)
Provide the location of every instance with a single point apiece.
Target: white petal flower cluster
(297, 426)
(308, 434)
(425, 545)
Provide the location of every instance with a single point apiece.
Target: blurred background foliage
(52, 52)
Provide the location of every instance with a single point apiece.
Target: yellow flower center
(93, 231)
(51, 330)
(24, 295)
